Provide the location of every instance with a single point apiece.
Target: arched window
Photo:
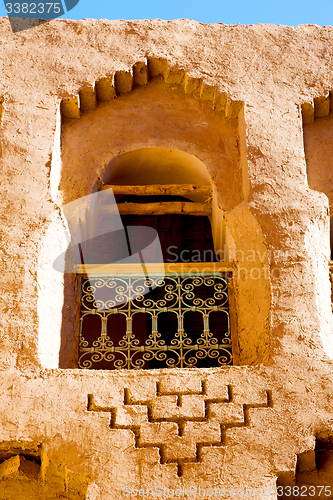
(175, 315)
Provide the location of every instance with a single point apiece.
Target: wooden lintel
(193, 268)
(161, 189)
(160, 208)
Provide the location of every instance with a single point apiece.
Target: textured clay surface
(282, 388)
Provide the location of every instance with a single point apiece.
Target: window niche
(157, 134)
(174, 314)
(318, 148)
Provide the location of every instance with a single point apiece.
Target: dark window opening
(175, 321)
(183, 238)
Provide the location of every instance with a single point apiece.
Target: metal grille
(135, 322)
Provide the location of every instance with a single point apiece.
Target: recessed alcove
(318, 147)
(156, 134)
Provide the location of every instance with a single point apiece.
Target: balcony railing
(179, 319)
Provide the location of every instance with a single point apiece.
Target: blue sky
(292, 12)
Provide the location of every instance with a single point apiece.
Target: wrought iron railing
(128, 321)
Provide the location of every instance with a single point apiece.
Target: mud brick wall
(251, 106)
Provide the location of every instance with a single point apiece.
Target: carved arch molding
(122, 82)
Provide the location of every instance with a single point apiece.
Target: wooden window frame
(167, 269)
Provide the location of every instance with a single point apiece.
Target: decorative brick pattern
(122, 82)
(180, 424)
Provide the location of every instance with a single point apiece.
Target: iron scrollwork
(167, 338)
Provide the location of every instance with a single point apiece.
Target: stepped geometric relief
(181, 424)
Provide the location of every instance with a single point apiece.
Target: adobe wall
(272, 408)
